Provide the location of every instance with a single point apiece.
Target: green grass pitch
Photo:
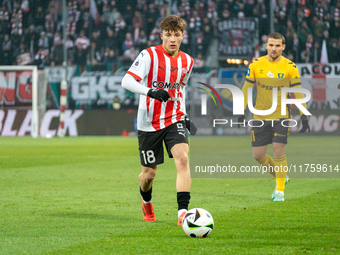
(81, 196)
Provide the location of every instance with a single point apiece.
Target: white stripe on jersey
(167, 79)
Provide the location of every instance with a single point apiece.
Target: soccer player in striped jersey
(268, 72)
(160, 74)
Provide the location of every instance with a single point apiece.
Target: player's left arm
(296, 83)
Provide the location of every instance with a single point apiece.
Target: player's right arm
(138, 70)
(249, 83)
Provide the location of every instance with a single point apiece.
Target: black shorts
(270, 131)
(151, 143)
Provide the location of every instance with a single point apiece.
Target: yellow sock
(268, 162)
(281, 166)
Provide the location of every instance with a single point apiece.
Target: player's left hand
(190, 126)
(305, 125)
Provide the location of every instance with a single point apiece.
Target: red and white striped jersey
(155, 68)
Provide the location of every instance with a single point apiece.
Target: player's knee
(258, 157)
(183, 161)
(149, 177)
(148, 174)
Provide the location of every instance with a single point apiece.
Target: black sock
(146, 195)
(183, 200)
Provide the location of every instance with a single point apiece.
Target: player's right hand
(159, 94)
(240, 119)
(305, 125)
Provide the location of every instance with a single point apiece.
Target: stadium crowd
(113, 32)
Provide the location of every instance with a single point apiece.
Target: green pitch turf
(81, 196)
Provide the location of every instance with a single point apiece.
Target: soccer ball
(198, 223)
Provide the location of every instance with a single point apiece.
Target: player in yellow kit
(269, 72)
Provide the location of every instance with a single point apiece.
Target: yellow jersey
(268, 75)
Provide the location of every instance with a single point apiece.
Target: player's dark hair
(172, 23)
(276, 35)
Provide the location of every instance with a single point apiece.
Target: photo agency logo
(238, 104)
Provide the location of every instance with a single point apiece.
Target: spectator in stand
(326, 38)
(212, 13)
(153, 35)
(4, 19)
(6, 51)
(102, 28)
(49, 25)
(336, 12)
(55, 10)
(199, 62)
(307, 54)
(263, 50)
(318, 11)
(71, 26)
(185, 42)
(94, 52)
(69, 47)
(58, 53)
(80, 55)
(316, 54)
(328, 21)
(116, 14)
(194, 28)
(86, 23)
(142, 7)
(224, 12)
(106, 54)
(142, 40)
(186, 7)
(277, 26)
(16, 40)
(207, 22)
(38, 3)
(335, 31)
(110, 40)
(8, 5)
(18, 51)
(317, 30)
(296, 47)
(289, 37)
(43, 41)
(128, 16)
(128, 42)
(41, 58)
(137, 24)
(39, 18)
(130, 55)
(333, 51)
(99, 44)
(31, 40)
(181, 12)
(163, 10)
(111, 58)
(282, 21)
(82, 41)
(199, 43)
(290, 29)
(17, 18)
(151, 17)
(249, 4)
(109, 16)
(304, 31)
(120, 32)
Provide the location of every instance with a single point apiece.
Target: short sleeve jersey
(267, 75)
(155, 68)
